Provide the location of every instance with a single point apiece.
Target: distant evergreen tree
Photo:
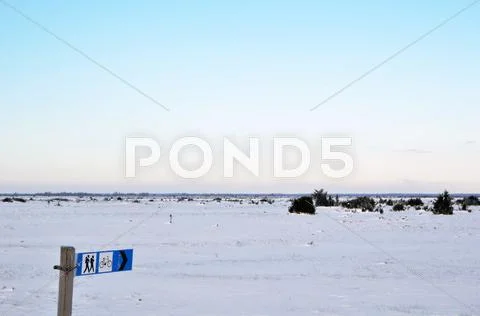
(443, 204)
(322, 198)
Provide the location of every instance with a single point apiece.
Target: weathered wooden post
(65, 283)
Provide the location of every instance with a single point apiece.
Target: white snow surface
(225, 258)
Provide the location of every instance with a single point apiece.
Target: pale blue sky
(239, 69)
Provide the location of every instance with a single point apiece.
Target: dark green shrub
(322, 198)
(364, 203)
(399, 207)
(389, 202)
(303, 204)
(471, 201)
(415, 202)
(443, 204)
(7, 200)
(379, 209)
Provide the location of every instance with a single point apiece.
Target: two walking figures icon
(89, 261)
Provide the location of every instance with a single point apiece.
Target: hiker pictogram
(88, 261)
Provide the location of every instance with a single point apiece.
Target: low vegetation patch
(388, 202)
(267, 200)
(15, 199)
(469, 201)
(364, 203)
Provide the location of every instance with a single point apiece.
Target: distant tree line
(443, 204)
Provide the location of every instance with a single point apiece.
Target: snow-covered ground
(242, 259)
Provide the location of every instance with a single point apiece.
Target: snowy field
(225, 258)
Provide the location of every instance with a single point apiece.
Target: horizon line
(77, 193)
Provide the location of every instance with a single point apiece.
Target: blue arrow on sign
(108, 261)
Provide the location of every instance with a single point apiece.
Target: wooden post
(65, 284)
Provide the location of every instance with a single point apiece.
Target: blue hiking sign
(99, 262)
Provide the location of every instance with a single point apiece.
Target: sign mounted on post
(100, 262)
(87, 263)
